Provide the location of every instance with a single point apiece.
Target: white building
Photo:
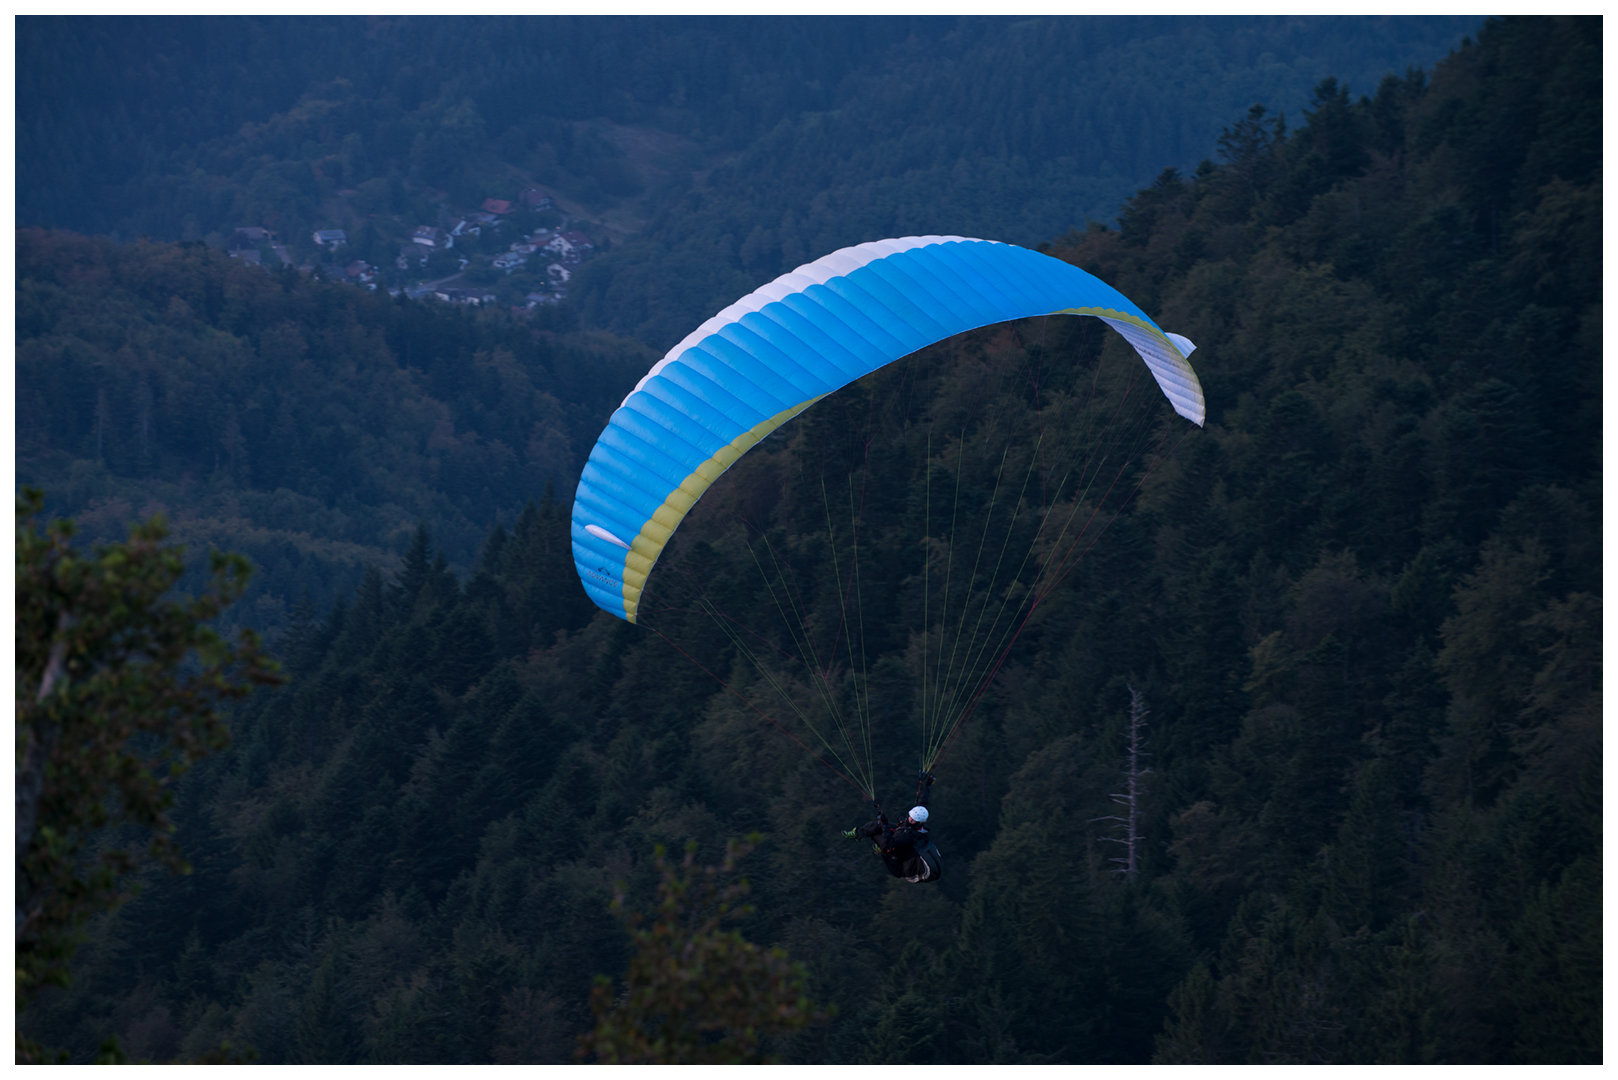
(431, 236)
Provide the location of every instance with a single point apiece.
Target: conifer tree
(696, 994)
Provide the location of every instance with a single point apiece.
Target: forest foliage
(1362, 606)
(694, 993)
(309, 426)
(745, 146)
(119, 691)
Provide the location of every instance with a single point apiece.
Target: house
(474, 297)
(559, 272)
(537, 199)
(509, 260)
(570, 245)
(246, 255)
(410, 253)
(282, 253)
(496, 206)
(431, 236)
(464, 227)
(331, 237)
(250, 234)
(359, 270)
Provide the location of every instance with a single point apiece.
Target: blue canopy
(775, 352)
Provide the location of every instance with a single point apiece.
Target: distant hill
(310, 425)
(729, 149)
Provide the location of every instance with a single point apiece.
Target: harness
(931, 858)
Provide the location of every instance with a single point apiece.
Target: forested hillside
(308, 425)
(1362, 606)
(730, 149)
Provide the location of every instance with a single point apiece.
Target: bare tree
(1134, 788)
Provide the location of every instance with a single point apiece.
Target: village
(516, 253)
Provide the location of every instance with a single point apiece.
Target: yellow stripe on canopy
(645, 548)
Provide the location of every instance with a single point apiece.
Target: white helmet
(918, 814)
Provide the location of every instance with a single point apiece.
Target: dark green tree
(695, 993)
(119, 691)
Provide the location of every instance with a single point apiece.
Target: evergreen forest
(1353, 624)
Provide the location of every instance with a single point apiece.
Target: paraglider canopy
(775, 352)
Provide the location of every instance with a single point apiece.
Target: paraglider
(801, 339)
(907, 849)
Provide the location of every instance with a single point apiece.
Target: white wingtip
(597, 530)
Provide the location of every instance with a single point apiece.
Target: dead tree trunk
(1131, 797)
